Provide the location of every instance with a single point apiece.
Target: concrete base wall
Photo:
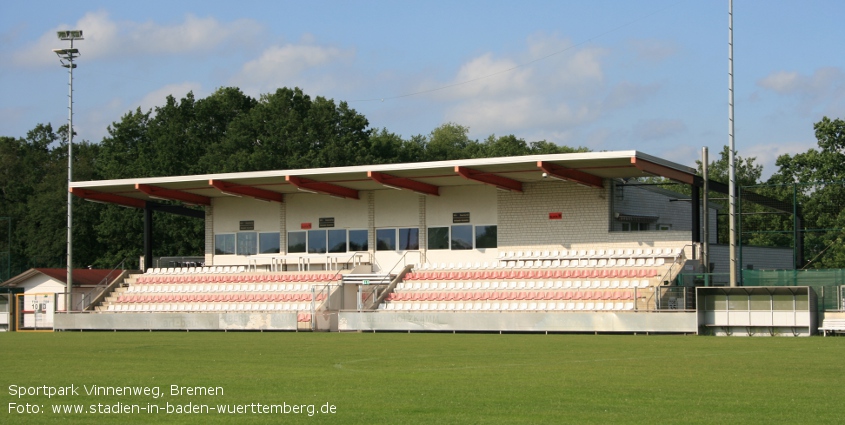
(622, 322)
(177, 321)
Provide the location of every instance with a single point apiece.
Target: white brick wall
(524, 217)
(209, 234)
(524, 220)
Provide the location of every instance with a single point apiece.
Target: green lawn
(432, 378)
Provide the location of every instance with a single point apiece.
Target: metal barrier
(170, 262)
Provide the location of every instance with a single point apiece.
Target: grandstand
(546, 243)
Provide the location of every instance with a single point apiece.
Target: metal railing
(90, 297)
(170, 262)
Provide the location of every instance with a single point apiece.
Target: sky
(646, 75)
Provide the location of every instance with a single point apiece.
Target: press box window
(296, 242)
(409, 239)
(462, 237)
(247, 243)
(337, 240)
(317, 242)
(438, 238)
(268, 243)
(224, 244)
(486, 237)
(358, 240)
(385, 239)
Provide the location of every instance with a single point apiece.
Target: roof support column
(148, 238)
(696, 216)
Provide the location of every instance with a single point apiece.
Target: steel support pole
(731, 151)
(69, 297)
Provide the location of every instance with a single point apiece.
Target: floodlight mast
(66, 57)
(731, 152)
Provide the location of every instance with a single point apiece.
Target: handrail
(374, 297)
(93, 295)
(402, 258)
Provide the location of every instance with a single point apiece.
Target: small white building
(38, 293)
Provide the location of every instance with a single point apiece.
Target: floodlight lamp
(69, 35)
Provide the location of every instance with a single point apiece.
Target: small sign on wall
(326, 222)
(555, 216)
(304, 225)
(460, 217)
(247, 225)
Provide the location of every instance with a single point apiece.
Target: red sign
(304, 225)
(555, 216)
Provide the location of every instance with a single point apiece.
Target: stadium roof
(505, 173)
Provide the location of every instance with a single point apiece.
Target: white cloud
(626, 93)
(781, 82)
(552, 85)
(107, 38)
(653, 50)
(658, 129)
(287, 66)
(822, 92)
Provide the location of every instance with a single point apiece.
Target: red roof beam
(404, 183)
(662, 171)
(570, 174)
(108, 198)
(500, 182)
(241, 190)
(172, 194)
(307, 185)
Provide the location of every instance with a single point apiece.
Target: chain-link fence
(828, 284)
(809, 218)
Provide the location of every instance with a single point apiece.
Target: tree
(816, 178)
(450, 141)
(288, 130)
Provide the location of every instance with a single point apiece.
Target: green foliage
(816, 178)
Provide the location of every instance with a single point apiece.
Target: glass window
(802, 303)
(247, 243)
(737, 302)
(224, 244)
(409, 239)
(296, 242)
(268, 243)
(317, 242)
(634, 227)
(337, 240)
(485, 237)
(462, 237)
(386, 240)
(358, 240)
(761, 302)
(715, 302)
(782, 302)
(438, 238)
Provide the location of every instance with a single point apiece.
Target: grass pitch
(425, 378)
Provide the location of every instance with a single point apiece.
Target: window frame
(231, 243)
